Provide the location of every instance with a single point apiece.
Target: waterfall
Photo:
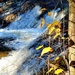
(26, 20)
(24, 30)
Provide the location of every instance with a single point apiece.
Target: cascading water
(26, 20)
(24, 30)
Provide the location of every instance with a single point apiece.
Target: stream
(24, 31)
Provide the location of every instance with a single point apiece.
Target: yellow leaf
(58, 71)
(56, 35)
(48, 26)
(39, 47)
(43, 9)
(49, 70)
(56, 23)
(57, 30)
(51, 30)
(57, 58)
(52, 27)
(42, 23)
(46, 50)
(49, 13)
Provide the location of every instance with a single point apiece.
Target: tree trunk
(71, 32)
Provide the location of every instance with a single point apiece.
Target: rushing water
(24, 30)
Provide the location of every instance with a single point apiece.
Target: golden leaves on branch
(55, 68)
(57, 58)
(57, 31)
(39, 47)
(46, 50)
(58, 71)
(56, 23)
(54, 28)
(48, 26)
(51, 30)
(49, 70)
